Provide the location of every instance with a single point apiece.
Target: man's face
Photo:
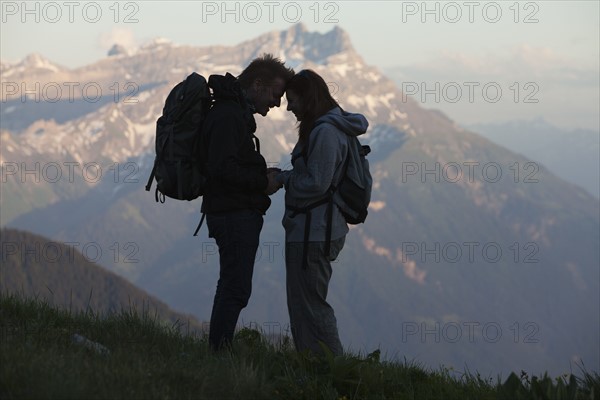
(267, 95)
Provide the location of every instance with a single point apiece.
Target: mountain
(469, 257)
(37, 267)
(573, 155)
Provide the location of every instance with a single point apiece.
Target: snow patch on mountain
(281, 139)
(32, 62)
(376, 205)
(145, 133)
(158, 42)
(116, 131)
(373, 76)
(277, 114)
(409, 266)
(360, 102)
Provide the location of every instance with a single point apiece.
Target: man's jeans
(237, 235)
(311, 318)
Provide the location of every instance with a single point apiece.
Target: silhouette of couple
(239, 185)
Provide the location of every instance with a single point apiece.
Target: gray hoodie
(306, 184)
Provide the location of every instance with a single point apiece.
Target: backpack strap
(158, 196)
(149, 184)
(179, 181)
(329, 226)
(307, 222)
(200, 224)
(153, 173)
(256, 142)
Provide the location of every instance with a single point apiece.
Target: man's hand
(273, 185)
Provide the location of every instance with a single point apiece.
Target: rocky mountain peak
(298, 45)
(317, 46)
(36, 60)
(117, 49)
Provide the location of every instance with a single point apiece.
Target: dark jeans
(237, 236)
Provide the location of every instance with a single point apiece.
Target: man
(239, 184)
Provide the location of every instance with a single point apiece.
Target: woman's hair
(314, 94)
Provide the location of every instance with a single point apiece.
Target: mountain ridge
(570, 154)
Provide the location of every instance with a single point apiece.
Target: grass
(134, 356)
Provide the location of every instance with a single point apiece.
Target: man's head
(264, 81)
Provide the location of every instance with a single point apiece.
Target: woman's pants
(312, 319)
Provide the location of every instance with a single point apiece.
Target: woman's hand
(273, 185)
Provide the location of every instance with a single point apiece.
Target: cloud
(523, 57)
(521, 62)
(535, 57)
(121, 36)
(534, 80)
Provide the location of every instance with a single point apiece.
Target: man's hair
(316, 99)
(267, 68)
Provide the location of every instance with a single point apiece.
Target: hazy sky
(542, 55)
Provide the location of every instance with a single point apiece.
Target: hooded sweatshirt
(236, 171)
(311, 178)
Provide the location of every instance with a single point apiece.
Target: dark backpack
(178, 166)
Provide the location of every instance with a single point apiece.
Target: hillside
(59, 274)
(47, 353)
(573, 155)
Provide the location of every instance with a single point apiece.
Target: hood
(352, 124)
(226, 87)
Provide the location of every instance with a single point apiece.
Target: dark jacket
(236, 172)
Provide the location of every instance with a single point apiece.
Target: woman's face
(295, 104)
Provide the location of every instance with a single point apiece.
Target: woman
(310, 218)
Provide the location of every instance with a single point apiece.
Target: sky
(478, 61)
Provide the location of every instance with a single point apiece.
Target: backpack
(351, 195)
(355, 186)
(178, 166)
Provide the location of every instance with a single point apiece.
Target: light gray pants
(312, 319)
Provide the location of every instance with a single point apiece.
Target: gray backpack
(353, 194)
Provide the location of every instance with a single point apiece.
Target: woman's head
(308, 98)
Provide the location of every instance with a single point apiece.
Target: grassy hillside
(51, 353)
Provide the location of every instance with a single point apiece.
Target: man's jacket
(236, 171)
